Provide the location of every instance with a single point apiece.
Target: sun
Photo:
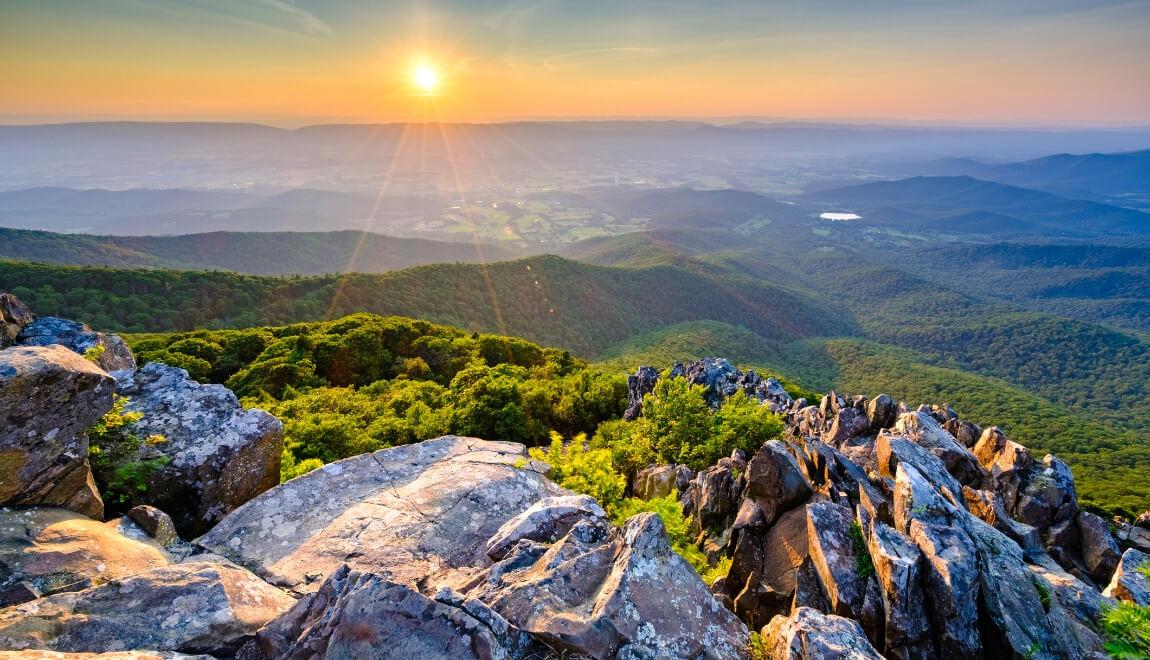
(425, 78)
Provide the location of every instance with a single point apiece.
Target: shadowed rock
(220, 454)
(545, 521)
(45, 551)
(362, 615)
(191, 608)
(49, 398)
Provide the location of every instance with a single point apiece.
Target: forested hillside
(257, 253)
(547, 299)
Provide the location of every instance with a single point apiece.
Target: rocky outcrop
(808, 634)
(46, 551)
(961, 526)
(37, 654)
(207, 608)
(219, 454)
(719, 379)
(49, 398)
(363, 615)
(605, 592)
(405, 513)
(113, 352)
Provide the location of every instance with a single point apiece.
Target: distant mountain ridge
(966, 204)
(1100, 174)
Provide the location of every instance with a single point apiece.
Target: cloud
(279, 15)
(558, 62)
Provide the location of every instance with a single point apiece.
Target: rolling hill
(258, 253)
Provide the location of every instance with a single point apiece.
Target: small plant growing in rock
(757, 648)
(94, 353)
(112, 451)
(1144, 569)
(1043, 593)
(863, 563)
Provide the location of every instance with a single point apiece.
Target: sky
(294, 62)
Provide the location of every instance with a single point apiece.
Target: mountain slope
(258, 253)
(548, 299)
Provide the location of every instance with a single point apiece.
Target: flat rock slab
(50, 550)
(405, 513)
(190, 608)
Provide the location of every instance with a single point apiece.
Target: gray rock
(38, 654)
(808, 634)
(712, 501)
(774, 481)
(929, 434)
(1008, 462)
(832, 552)
(14, 315)
(639, 385)
(898, 568)
(191, 608)
(47, 330)
(882, 412)
(660, 480)
(49, 398)
(1081, 601)
(1128, 583)
(1018, 618)
(605, 592)
(45, 551)
(404, 513)
(156, 523)
(362, 615)
(892, 450)
(951, 585)
(1100, 553)
(987, 506)
(546, 521)
(847, 424)
(220, 454)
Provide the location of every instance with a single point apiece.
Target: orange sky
(1054, 61)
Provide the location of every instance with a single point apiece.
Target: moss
(863, 563)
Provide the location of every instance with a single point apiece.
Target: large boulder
(363, 615)
(1129, 583)
(45, 551)
(49, 398)
(774, 481)
(14, 315)
(763, 576)
(925, 430)
(639, 385)
(712, 501)
(220, 455)
(405, 513)
(191, 608)
(1100, 552)
(546, 521)
(606, 592)
(808, 634)
(113, 351)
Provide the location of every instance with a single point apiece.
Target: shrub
(588, 471)
(113, 451)
(1126, 629)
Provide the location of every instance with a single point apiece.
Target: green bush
(112, 452)
(1126, 629)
